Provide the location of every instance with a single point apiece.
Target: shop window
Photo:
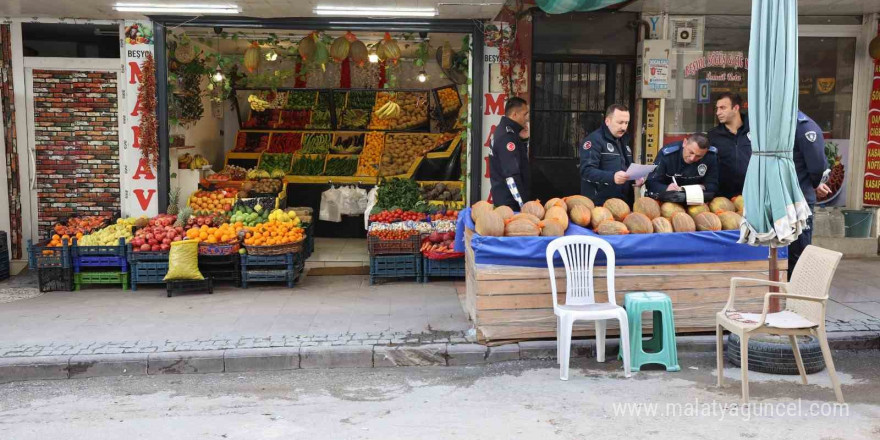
(826, 82)
(70, 40)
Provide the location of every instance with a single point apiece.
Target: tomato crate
(41, 256)
(55, 279)
(100, 278)
(395, 266)
(449, 267)
(146, 256)
(148, 272)
(410, 245)
(176, 287)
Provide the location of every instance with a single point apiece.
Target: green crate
(100, 278)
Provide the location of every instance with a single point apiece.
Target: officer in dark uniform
(605, 157)
(509, 173)
(734, 143)
(691, 162)
(810, 164)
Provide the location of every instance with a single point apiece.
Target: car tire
(777, 357)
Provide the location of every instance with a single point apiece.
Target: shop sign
(493, 110)
(704, 92)
(655, 26)
(718, 59)
(139, 183)
(871, 192)
(652, 129)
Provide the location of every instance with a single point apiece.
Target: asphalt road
(501, 401)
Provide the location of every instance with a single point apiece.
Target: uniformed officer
(810, 164)
(605, 157)
(734, 143)
(509, 173)
(691, 162)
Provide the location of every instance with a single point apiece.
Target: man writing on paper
(605, 156)
(688, 162)
(509, 172)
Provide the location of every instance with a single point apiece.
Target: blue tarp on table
(629, 250)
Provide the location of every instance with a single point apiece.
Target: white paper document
(694, 194)
(637, 171)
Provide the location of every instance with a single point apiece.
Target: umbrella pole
(774, 276)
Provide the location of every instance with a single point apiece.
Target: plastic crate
(406, 246)
(176, 287)
(309, 245)
(395, 266)
(146, 256)
(41, 256)
(148, 272)
(287, 268)
(226, 268)
(55, 279)
(451, 267)
(100, 278)
(108, 262)
(117, 250)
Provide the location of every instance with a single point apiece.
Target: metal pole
(164, 163)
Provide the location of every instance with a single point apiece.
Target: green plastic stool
(660, 349)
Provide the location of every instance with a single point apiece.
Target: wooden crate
(514, 303)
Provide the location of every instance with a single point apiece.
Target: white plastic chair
(578, 253)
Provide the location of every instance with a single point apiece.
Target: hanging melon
(340, 48)
(307, 47)
(252, 57)
(388, 49)
(446, 56)
(359, 53)
(321, 55)
(185, 52)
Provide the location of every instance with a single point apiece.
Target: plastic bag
(183, 261)
(372, 199)
(330, 206)
(361, 200)
(345, 201)
(354, 201)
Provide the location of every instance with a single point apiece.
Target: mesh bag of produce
(183, 261)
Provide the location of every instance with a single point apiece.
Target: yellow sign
(825, 85)
(652, 129)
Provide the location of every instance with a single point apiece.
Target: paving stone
(501, 353)
(346, 356)
(406, 355)
(101, 365)
(261, 359)
(179, 362)
(466, 354)
(33, 368)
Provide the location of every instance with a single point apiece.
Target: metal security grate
(569, 101)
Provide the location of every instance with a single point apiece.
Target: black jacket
(602, 155)
(509, 157)
(734, 153)
(671, 163)
(809, 156)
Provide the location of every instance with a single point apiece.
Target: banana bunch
(389, 110)
(257, 104)
(108, 236)
(198, 162)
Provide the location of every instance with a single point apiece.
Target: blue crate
(452, 267)
(103, 261)
(395, 266)
(286, 268)
(117, 250)
(41, 256)
(269, 276)
(148, 272)
(268, 260)
(145, 256)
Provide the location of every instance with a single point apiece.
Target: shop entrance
(73, 139)
(569, 99)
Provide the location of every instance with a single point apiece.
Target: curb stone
(26, 368)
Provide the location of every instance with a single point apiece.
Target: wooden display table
(514, 303)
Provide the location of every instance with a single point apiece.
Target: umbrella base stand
(773, 354)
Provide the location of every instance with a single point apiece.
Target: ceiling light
(375, 12)
(373, 58)
(149, 8)
(218, 75)
(422, 76)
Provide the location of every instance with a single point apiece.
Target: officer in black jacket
(605, 157)
(509, 173)
(810, 164)
(688, 162)
(734, 143)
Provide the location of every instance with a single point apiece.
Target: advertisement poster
(871, 192)
(139, 183)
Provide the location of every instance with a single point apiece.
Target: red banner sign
(871, 192)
